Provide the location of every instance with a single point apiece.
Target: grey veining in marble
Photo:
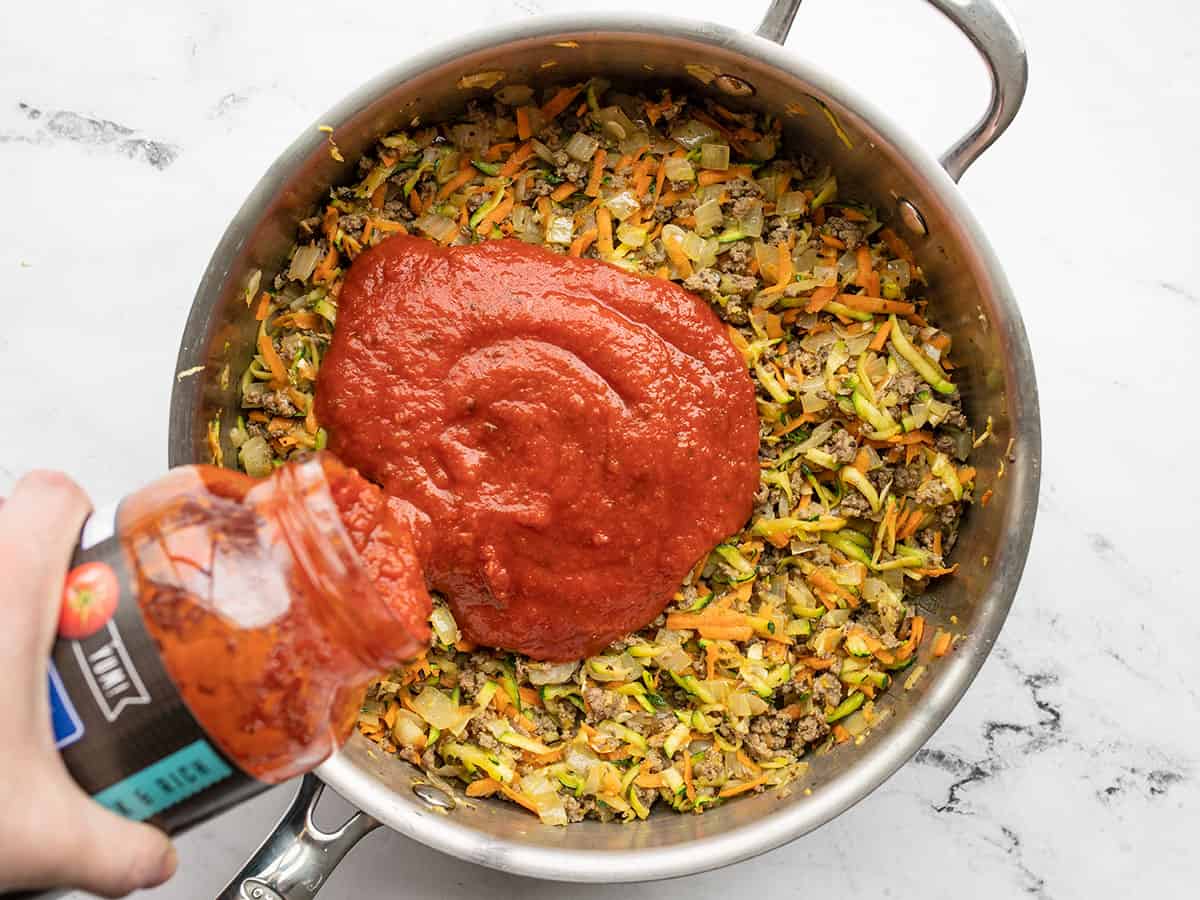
(129, 133)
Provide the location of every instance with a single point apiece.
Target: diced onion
(543, 152)
(692, 134)
(436, 708)
(693, 245)
(714, 156)
(435, 225)
(515, 94)
(617, 115)
(623, 205)
(255, 457)
(541, 673)
(634, 142)
(791, 204)
(679, 169)
(444, 626)
(560, 230)
(304, 262)
(751, 224)
(708, 216)
(408, 730)
(581, 146)
(632, 235)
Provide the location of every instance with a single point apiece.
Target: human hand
(52, 834)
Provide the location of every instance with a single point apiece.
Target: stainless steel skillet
(875, 160)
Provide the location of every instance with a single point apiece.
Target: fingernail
(170, 860)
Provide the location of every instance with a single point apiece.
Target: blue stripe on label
(67, 726)
(169, 781)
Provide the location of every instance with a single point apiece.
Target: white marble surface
(1072, 768)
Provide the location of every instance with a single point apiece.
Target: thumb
(112, 856)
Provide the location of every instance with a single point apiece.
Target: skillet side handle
(297, 858)
(990, 27)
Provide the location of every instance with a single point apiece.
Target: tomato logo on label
(89, 599)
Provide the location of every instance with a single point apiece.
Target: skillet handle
(297, 858)
(990, 27)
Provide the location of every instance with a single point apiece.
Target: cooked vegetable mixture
(779, 641)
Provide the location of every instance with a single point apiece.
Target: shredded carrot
(820, 299)
(831, 241)
(324, 271)
(710, 660)
(580, 245)
(864, 303)
(379, 197)
(462, 645)
(791, 426)
(748, 762)
(271, 357)
(861, 461)
(368, 230)
(642, 178)
(897, 245)
(913, 437)
(557, 104)
(863, 275)
(679, 259)
(986, 498)
(414, 202)
(604, 237)
(484, 787)
(529, 696)
(563, 191)
(518, 798)
(648, 780)
(774, 325)
(825, 583)
(386, 225)
(742, 788)
(516, 160)
(818, 217)
(720, 176)
(466, 173)
(912, 525)
(496, 151)
(689, 784)
(880, 340)
(941, 643)
(937, 543)
(840, 734)
(784, 267)
(598, 161)
(524, 129)
(660, 177)
(264, 306)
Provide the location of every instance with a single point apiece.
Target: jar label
(120, 724)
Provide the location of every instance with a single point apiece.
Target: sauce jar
(218, 633)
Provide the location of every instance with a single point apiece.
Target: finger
(111, 856)
(39, 528)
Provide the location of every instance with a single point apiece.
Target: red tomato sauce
(274, 602)
(570, 438)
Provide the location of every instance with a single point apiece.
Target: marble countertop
(129, 134)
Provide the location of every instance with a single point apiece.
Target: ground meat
(259, 396)
(737, 258)
(574, 171)
(352, 224)
(742, 187)
(906, 386)
(781, 230)
(743, 205)
(738, 285)
(734, 311)
(663, 723)
(711, 767)
(476, 200)
(540, 188)
(397, 208)
(478, 732)
(682, 186)
(934, 493)
(545, 726)
(842, 445)
(684, 207)
(703, 281)
(907, 478)
(827, 690)
(848, 232)
(655, 254)
(655, 761)
(810, 363)
(470, 680)
(809, 729)
(578, 808)
(854, 504)
(768, 736)
(821, 554)
(602, 704)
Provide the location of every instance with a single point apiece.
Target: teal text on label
(169, 781)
